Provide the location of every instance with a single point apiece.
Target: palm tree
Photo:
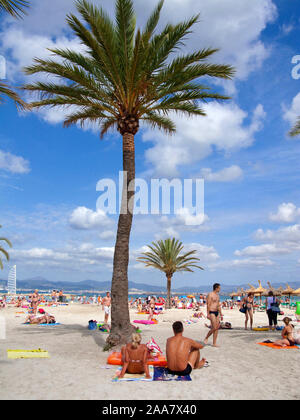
(295, 131)
(165, 256)
(125, 76)
(3, 251)
(14, 7)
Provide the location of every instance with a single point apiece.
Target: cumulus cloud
(262, 250)
(229, 174)
(69, 257)
(289, 235)
(243, 263)
(84, 218)
(223, 129)
(292, 112)
(287, 212)
(14, 164)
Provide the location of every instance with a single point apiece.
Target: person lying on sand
(222, 326)
(287, 334)
(183, 354)
(134, 357)
(44, 318)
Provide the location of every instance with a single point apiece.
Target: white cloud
(84, 218)
(229, 174)
(14, 164)
(292, 113)
(69, 257)
(222, 129)
(245, 262)
(262, 250)
(287, 212)
(289, 235)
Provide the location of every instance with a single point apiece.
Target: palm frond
(6, 91)
(295, 131)
(15, 8)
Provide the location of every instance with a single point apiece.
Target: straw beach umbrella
(288, 292)
(260, 290)
(296, 292)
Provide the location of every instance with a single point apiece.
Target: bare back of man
(183, 354)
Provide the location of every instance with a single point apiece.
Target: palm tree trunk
(121, 328)
(168, 304)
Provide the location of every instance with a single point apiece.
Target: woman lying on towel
(287, 334)
(44, 318)
(134, 357)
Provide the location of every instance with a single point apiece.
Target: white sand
(239, 369)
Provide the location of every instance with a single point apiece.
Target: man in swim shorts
(214, 313)
(183, 354)
(106, 302)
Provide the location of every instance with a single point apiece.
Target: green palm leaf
(3, 251)
(296, 129)
(15, 8)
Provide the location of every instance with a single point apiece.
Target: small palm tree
(295, 131)
(125, 76)
(165, 256)
(15, 8)
(3, 251)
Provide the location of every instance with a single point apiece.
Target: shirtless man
(214, 312)
(106, 302)
(183, 354)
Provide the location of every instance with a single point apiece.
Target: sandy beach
(239, 369)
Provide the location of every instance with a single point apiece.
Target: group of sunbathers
(42, 318)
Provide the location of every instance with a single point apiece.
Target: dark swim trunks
(184, 372)
(216, 313)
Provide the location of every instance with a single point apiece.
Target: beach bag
(92, 325)
(243, 309)
(275, 306)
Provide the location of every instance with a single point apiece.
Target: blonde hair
(136, 340)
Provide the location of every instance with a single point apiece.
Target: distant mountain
(96, 286)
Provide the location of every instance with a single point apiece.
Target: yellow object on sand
(27, 354)
(261, 329)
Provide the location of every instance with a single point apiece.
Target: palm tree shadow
(64, 329)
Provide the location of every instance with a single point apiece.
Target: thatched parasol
(296, 292)
(259, 290)
(252, 288)
(288, 292)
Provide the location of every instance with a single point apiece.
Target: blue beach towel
(161, 374)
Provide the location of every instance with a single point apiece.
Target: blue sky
(48, 174)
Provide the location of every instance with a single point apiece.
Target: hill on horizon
(93, 285)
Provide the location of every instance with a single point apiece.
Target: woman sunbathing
(40, 319)
(134, 357)
(287, 334)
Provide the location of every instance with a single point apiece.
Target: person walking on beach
(214, 313)
(35, 300)
(183, 354)
(248, 302)
(271, 308)
(106, 302)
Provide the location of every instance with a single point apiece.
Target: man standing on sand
(183, 354)
(214, 313)
(106, 302)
